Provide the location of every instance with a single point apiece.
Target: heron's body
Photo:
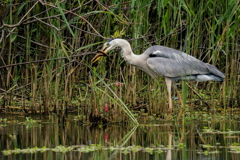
(166, 62)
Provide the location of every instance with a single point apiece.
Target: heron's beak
(100, 53)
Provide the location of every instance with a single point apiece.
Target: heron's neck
(140, 61)
(127, 53)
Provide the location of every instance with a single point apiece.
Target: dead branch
(47, 60)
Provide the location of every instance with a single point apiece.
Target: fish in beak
(100, 53)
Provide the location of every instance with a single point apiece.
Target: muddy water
(51, 138)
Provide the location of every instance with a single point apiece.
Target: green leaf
(65, 19)
(20, 8)
(87, 46)
(13, 36)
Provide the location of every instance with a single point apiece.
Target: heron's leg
(169, 152)
(181, 101)
(169, 85)
(178, 94)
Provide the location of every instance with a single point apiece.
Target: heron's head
(110, 45)
(107, 46)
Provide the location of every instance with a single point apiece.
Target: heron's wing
(167, 67)
(173, 63)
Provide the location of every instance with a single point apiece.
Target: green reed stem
(124, 107)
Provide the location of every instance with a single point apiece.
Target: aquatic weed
(62, 149)
(149, 150)
(159, 151)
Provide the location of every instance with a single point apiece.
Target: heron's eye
(107, 44)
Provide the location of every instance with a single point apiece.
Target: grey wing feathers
(214, 70)
(169, 62)
(170, 68)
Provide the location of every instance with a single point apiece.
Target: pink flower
(106, 107)
(106, 138)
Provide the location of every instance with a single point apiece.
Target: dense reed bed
(46, 48)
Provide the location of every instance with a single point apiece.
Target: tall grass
(35, 30)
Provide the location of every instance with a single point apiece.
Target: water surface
(52, 138)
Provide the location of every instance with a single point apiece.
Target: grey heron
(171, 64)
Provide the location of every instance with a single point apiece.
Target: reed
(35, 30)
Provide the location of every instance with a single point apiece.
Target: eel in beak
(100, 53)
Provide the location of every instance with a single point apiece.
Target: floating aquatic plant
(136, 148)
(4, 120)
(7, 152)
(62, 149)
(235, 149)
(149, 150)
(86, 149)
(207, 129)
(180, 145)
(126, 151)
(208, 146)
(159, 151)
(29, 120)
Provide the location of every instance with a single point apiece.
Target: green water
(51, 138)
